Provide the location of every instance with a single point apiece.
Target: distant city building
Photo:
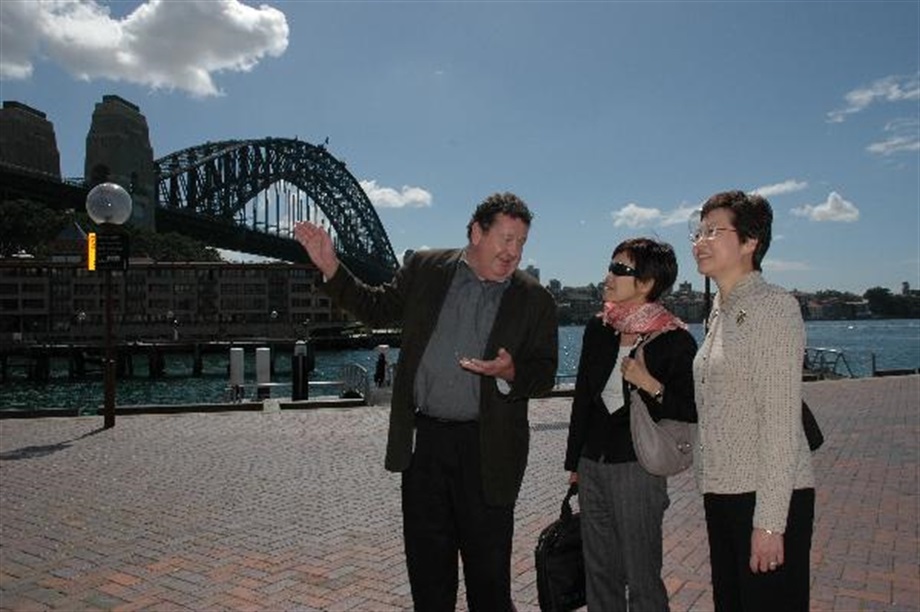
(533, 271)
(686, 303)
(576, 305)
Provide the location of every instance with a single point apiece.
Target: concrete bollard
(263, 372)
(236, 373)
(301, 366)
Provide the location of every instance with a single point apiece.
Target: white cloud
(888, 89)
(904, 137)
(789, 186)
(162, 44)
(387, 197)
(835, 208)
(895, 144)
(634, 216)
(401, 256)
(778, 265)
(680, 215)
(19, 38)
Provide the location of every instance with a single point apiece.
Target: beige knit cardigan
(748, 382)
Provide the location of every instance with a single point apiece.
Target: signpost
(109, 205)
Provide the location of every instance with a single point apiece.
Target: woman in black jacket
(622, 505)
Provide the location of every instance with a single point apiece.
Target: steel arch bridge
(212, 192)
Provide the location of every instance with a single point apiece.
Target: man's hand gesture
(318, 245)
(500, 367)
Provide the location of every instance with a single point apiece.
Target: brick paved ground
(292, 510)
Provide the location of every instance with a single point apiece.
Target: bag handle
(639, 350)
(566, 511)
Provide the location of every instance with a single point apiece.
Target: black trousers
(445, 514)
(735, 588)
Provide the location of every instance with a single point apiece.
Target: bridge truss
(246, 195)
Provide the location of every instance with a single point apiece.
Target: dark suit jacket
(593, 431)
(525, 326)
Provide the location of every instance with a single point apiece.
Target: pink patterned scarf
(639, 318)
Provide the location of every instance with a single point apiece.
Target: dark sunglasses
(618, 268)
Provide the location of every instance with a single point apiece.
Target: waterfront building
(61, 301)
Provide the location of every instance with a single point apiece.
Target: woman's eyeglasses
(618, 268)
(709, 232)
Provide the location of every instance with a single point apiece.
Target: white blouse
(613, 390)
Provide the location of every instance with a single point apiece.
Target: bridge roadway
(292, 510)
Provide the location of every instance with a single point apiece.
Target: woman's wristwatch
(659, 394)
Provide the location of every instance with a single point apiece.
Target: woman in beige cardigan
(752, 460)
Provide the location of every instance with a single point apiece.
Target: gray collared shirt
(442, 388)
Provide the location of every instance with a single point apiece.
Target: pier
(292, 509)
(148, 358)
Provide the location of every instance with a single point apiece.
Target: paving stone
(292, 510)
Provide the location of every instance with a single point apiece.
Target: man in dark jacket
(479, 338)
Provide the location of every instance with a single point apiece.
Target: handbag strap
(639, 351)
(566, 511)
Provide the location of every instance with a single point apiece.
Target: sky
(610, 119)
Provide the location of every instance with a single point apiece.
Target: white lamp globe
(108, 203)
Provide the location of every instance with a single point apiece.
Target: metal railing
(356, 380)
(824, 363)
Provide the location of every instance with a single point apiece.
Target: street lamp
(81, 318)
(109, 206)
(172, 320)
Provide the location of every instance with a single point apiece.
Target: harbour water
(895, 344)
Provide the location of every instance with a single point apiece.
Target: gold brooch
(740, 317)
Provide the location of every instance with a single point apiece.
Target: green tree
(31, 227)
(880, 300)
(885, 304)
(833, 294)
(28, 226)
(169, 247)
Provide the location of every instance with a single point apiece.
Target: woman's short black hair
(751, 215)
(653, 260)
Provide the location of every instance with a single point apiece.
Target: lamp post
(172, 320)
(109, 206)
(81, 318)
